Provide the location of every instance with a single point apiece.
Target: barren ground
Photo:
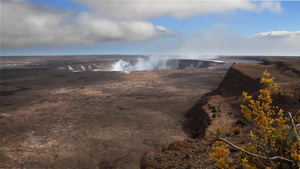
(60, 119)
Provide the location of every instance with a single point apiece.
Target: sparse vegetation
(214, 115)
(241, 122)
(213, 110)
(274, 140)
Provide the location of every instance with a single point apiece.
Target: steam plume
(141, 64)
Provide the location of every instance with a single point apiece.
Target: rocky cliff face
(222, 108)
(236, 81)
(246, 77)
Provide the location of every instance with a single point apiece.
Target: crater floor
(62, 119)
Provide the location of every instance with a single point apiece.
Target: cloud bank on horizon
(155, 27)
(145, 9)
(27, 24)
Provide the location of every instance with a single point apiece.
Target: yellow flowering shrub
(274, 141)
(219, 155)
(220, 152)
(273, 134)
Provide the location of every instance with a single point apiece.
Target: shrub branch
(275, 137)
(252, 154)
(294, 126)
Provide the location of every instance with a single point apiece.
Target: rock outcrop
(222, 108)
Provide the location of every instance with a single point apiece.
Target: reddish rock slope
(222, 108)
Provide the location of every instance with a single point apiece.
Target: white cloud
(278, 34)
(144, 9)
(219, 40)
(273, 6)
(27, 24)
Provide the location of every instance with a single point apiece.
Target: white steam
(141, 64)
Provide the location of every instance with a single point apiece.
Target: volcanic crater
(71, 112)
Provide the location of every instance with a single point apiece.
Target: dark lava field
(72, 112)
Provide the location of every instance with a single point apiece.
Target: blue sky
(171, 27)
(63, 4)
